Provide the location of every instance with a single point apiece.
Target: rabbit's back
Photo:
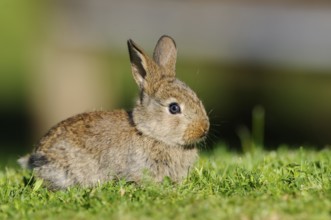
(91, 131)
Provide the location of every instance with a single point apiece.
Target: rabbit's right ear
(165, 54)
(139, 64)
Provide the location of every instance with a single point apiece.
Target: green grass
(282, 184)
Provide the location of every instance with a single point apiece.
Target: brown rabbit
(157, 137)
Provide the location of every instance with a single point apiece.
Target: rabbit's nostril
(204, 133)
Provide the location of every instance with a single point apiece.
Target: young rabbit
(156, 138)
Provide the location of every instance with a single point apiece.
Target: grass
(282, 184)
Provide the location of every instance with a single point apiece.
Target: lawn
(281, 184)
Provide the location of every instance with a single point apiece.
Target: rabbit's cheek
(175, 123)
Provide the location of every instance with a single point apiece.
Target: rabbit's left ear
(139, 63)
(165, 54)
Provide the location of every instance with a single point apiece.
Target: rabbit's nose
(196, 131)
(204, 129)
(204, 133)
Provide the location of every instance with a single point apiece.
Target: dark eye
(174, 108)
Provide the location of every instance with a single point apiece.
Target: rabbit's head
(167, 110)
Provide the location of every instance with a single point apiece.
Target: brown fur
(96, 147)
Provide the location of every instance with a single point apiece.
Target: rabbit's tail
(24, 161)
(33, 160)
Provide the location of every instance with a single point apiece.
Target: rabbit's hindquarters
(65, 166)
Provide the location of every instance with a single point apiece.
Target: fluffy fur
(96, 147)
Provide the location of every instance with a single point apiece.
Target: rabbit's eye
(174, 108)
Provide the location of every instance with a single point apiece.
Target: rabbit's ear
(165, 54)
(139, 63)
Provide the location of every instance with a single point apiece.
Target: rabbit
(156, 139)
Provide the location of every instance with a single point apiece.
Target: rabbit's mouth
(196, 143)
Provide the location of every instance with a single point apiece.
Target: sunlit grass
(282, 184)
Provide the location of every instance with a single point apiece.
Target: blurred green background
(59, 58)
